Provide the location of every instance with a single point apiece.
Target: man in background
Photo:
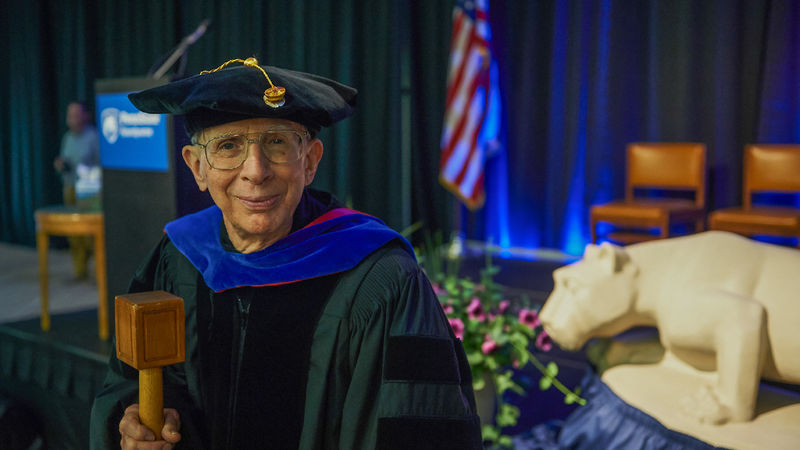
(79, 155)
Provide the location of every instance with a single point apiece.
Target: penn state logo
(109, 121)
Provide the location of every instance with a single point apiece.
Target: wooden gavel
(150, 335)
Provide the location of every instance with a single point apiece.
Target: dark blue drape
(607, 422)
(779, 120)
(578, 80)
(581, 79)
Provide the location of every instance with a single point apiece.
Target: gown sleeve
(121, 385)
(409, 384)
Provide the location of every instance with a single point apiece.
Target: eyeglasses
(229, 151)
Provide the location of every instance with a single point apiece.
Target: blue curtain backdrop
(581, 79)
(578, 81)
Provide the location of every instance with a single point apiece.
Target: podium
(145, 181)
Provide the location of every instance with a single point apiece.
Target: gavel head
(150, 329)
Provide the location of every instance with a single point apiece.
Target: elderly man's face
(258, 198)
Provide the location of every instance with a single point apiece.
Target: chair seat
(651, 209)
(754, 220)
(628, 237)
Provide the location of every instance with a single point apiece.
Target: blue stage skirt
(605, 422)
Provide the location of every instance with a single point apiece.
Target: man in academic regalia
(308, 325)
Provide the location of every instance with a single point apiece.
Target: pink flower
(458, 327)
(503, 306)
(475, 310)
(438, 290)
(488, 346)
(543, 341)
(448, 309)
(528, 318)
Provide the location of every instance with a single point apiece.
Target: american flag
(461, 168)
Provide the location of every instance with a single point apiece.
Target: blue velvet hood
(334, 242)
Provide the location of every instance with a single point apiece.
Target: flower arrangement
(496, 335)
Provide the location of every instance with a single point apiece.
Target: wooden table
(71, 221)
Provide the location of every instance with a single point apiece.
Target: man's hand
(137, 436)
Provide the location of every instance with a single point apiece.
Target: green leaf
(477, 372)
(505, 441)
(475, 357)
(577, 393)
(504, 382)
(411, 229)
(500, 337)
(530, 333)
(507, 415)
(545, 383)
(552, 369)
(524, 358)
(519, 339)
(504, 421)
(490, 433)
(478, 383)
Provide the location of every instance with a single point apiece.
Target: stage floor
(20, 297)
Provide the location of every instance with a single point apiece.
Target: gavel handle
(151, 400)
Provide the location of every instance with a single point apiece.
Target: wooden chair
(767, 168)
(678, 166)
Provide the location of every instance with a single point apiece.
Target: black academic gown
(359, 359)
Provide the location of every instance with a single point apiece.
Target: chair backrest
(667, 165)
(770, 168)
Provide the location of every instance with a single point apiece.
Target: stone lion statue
(722, 303)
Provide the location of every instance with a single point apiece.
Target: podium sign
(129, 138)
